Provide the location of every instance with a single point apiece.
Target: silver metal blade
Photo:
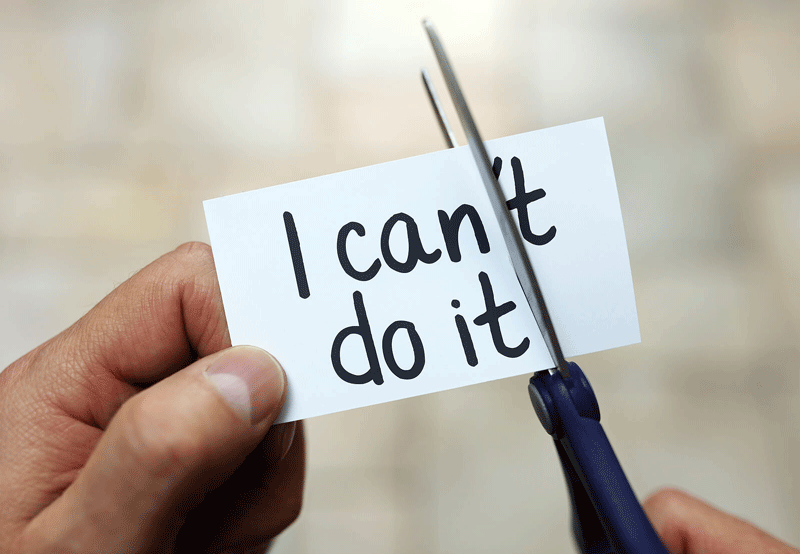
(444, 125)
(511, 235)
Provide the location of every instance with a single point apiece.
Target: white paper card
(366, 288)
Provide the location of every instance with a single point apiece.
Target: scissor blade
(511, 235)
(449, 137)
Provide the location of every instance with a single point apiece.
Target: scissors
(606, 516)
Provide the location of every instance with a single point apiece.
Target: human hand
(690, 526)
(115, 436)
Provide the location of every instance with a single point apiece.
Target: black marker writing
(344, 261)
(297, 256)
(415, 250)
(451, 228)
(363, 330)
(520, 203)
(451, 224)
(497, 166)
(466, 338)
(492, 317)
(416, 345)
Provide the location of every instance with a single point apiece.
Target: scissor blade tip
(427, 22)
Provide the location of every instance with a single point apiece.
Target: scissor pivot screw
(540, 407)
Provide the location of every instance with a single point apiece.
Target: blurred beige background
(117, 120)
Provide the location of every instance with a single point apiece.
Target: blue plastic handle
(607, 517)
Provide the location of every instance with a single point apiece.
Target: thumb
(163, 450)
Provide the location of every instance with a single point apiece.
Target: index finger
(57, 399)
(158, 321)
(690, 526)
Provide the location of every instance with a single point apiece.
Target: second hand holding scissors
(606, 516)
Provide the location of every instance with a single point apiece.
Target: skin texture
(687, 525)
(112, 439)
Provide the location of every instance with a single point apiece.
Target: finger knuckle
(195, 252)
(191, 265)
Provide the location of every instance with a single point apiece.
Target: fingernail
(288, 438)
(250, 380)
